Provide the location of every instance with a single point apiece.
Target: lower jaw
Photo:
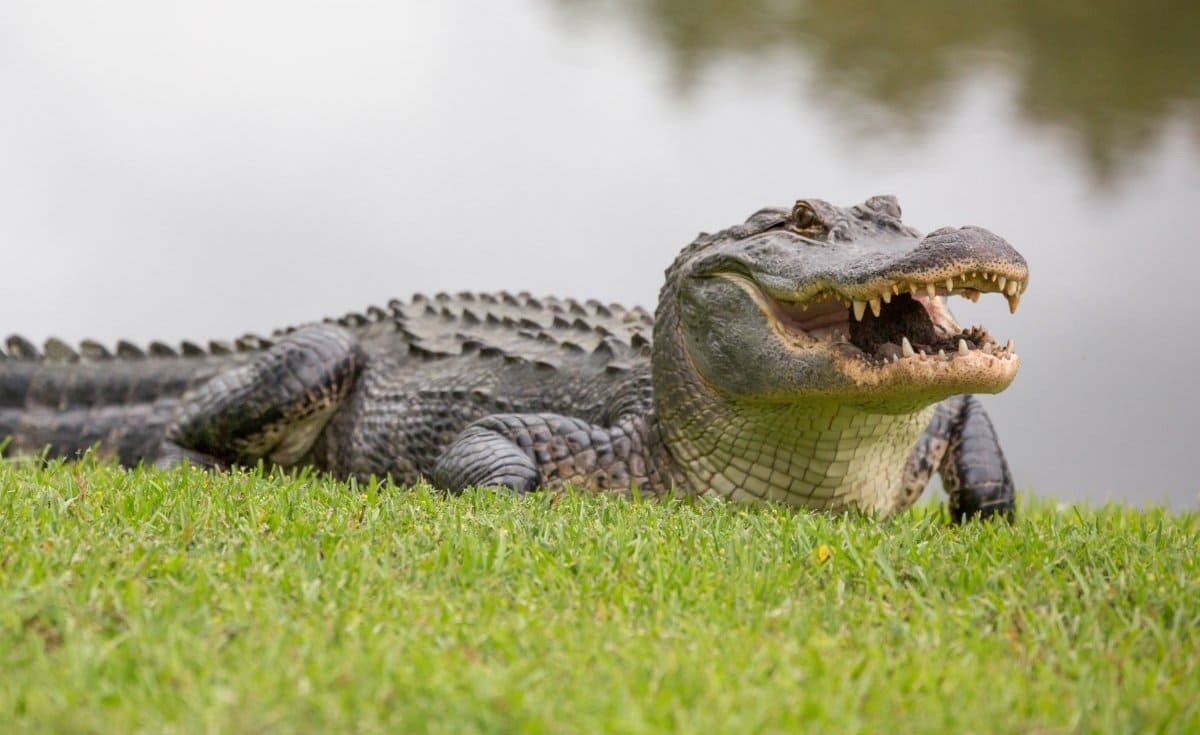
(952, 355)
(955, 351)
(911, 383)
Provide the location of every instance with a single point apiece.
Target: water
(192, 173)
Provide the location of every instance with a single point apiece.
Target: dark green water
(171, 173)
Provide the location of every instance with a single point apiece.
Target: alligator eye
(804, 216)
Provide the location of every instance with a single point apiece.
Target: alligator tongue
(903, 317)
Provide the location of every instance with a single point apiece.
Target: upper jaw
(964, 261)
(893, 321)
(1009, 279)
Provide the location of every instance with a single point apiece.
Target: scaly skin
(805, 357)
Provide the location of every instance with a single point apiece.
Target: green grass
(187, 602)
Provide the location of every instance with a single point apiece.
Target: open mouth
(893, 320)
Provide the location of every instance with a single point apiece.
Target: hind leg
(270, 409)
(172, 455)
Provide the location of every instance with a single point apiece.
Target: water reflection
(1111, 73)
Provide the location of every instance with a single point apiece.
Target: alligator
(805, 357)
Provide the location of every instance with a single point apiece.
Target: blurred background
(171, 172)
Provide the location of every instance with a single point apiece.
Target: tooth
(1002, 282)
(875, 306)
(942, 354)
(1012, 303)
(950, 284)
(1010, 347)
(887, 296)
(912, 289)
(846, 303)
(896, 288)
(931, 290)
(962, 347)
(906, 347)
(860, 308)
(1012, 288)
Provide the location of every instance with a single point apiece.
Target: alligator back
(436, 364)
(500, 351)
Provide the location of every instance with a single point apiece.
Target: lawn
(188, 602)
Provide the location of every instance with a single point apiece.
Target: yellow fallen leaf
(823, 554)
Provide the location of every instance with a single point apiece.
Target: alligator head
(821, 303)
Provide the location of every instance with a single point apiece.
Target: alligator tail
(63, 401)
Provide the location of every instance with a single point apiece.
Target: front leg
(961, 445)
(527, 451)
(974, 470)
(271, 408)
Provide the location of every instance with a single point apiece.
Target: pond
(202, 172)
